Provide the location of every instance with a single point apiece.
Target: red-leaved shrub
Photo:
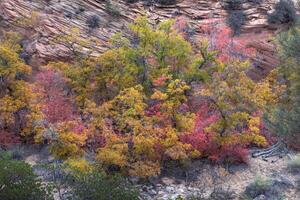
(208, 144)
(231, 154)
(7, 139)
(221, 39)
(57, 106)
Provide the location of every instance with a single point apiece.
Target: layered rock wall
(50, 19)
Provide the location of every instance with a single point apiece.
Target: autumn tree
(56, 105)
(235, 105)
(237, 98)
(228, 47)
(140, 59)
(136, 143)
(135, 101)
(67, 140)
(19, 103)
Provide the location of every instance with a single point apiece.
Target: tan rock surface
(52, 18)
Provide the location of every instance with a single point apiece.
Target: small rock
(160, 192)
(170, 189)
(134, 179)
(260, 197)
(180, 189)
(167, 181)
(152, 192)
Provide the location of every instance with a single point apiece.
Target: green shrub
(222, 193)
(112, 9)
(289, 43)
(235, 21)
(258, 187)
(18, 182)
(132, 1)
(151, 2)
(166, 2)
(283, 119)
(233, 4)
(218, 193)
(294, 165)
(93, 21)
(98, 186)
(284, 12)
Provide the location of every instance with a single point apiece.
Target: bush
(258, 187)
(263, 186)
(222, 193)
(112, 9)
(235, 21)
(233, 155)
(283, 120)
(166, 2)
(99, 186)
(233, 4)
(93, 21)
(18, 182)
(218, 193)
(294, 165)
(289, 42)
(80, 10)
(284, 12)
(132, 1)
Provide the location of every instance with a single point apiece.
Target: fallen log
(278, 149)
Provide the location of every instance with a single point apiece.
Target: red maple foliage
(57, 106)
(233, 154)
(199, 139)
(7, 139)
(206, 142)
(221, 39)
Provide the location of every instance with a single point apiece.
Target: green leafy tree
(284, 119)
(91, 186)
(18, 182)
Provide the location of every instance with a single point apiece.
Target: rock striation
(43, 21)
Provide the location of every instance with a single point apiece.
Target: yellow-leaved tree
(136, 143)
(19, 102)
(240, 102)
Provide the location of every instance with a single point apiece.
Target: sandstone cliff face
(52, 18)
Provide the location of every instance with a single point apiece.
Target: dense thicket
(19, 106)
(134, 106)
(151, 99)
